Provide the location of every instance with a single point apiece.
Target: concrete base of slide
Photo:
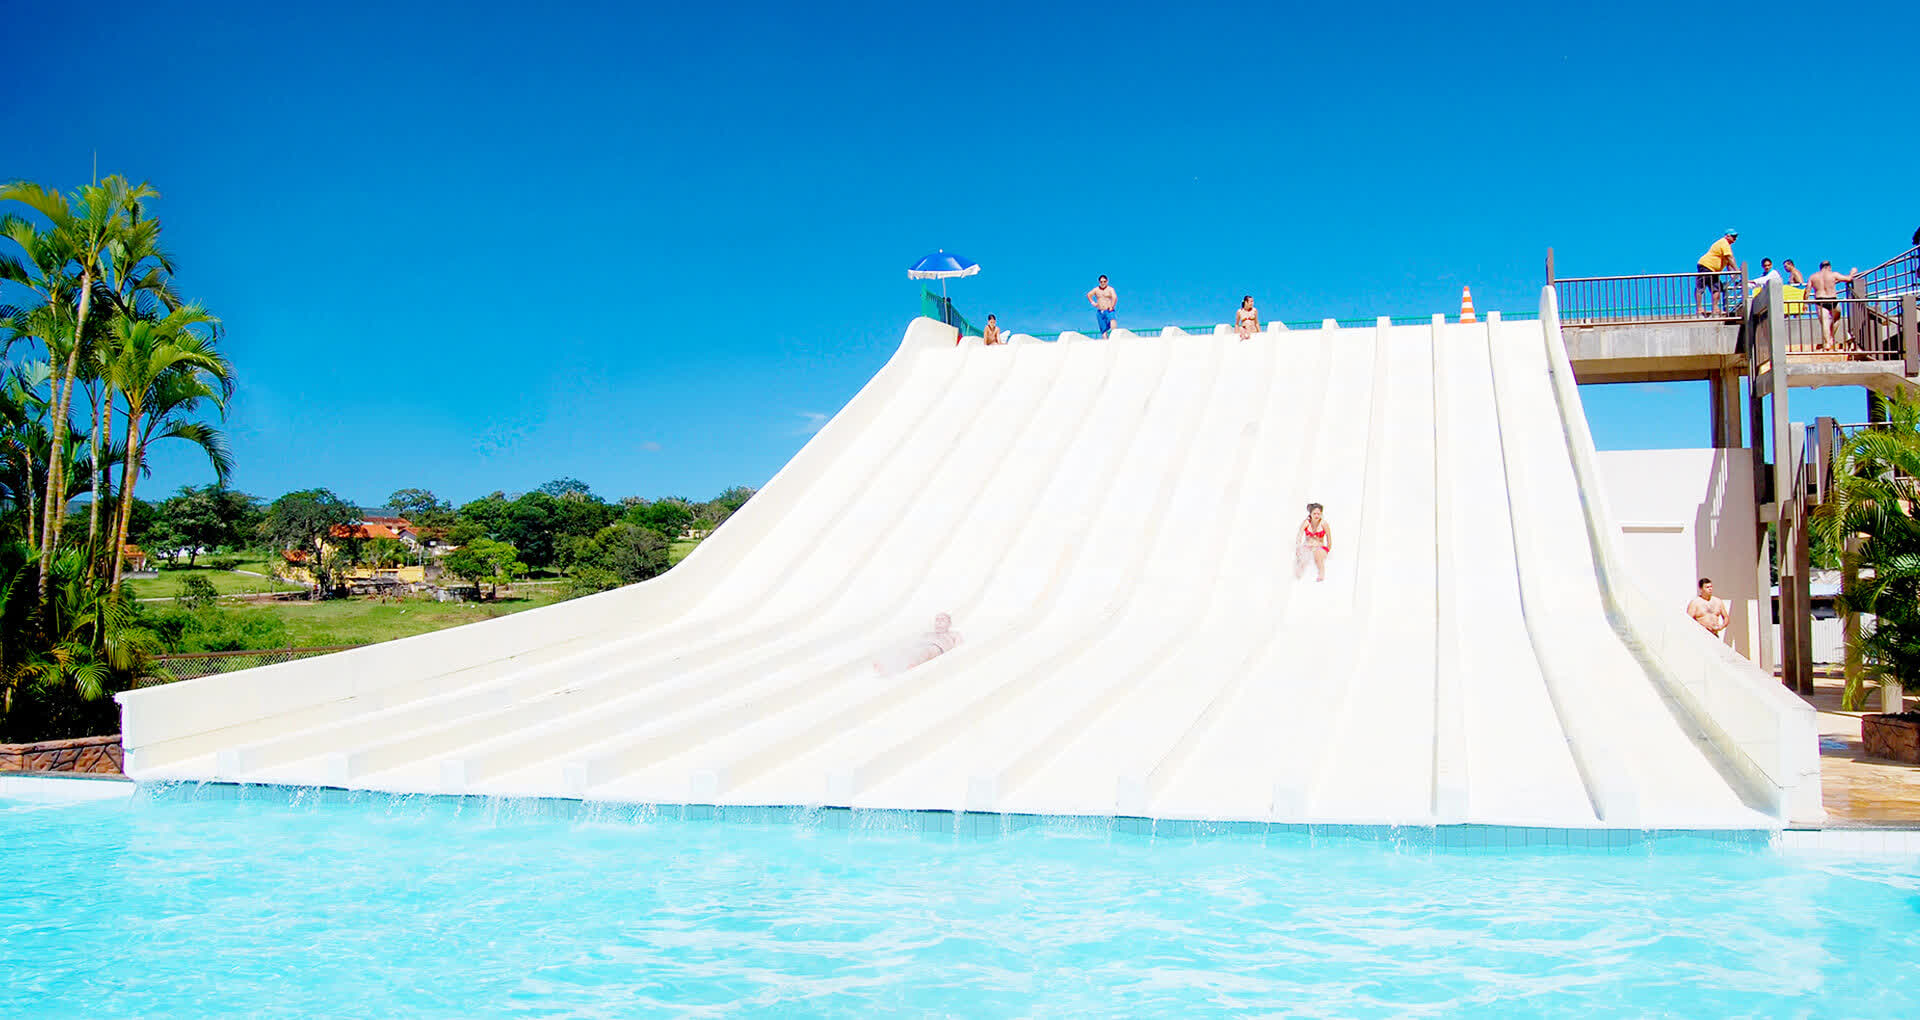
(1110, 526)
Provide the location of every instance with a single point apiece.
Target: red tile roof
(368, 529)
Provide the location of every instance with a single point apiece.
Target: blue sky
(479, 246)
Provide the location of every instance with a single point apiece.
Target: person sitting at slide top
(1313, 542)
(1246, 318)
(990, 335)
(1103, 299)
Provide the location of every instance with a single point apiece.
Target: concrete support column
(1763, 634)
(1726, 409)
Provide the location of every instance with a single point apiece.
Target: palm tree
(1876, 497)
(166, 368)
(80, 235)
(137, 278)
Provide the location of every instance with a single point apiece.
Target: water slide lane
(1111, 529)
(1375, 742)
(1517, 763)
(1641, 764)
(1044, 500)
(1259, 729)
(1032, 740)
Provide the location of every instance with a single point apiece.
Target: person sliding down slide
(931, 645)
(1313, 542)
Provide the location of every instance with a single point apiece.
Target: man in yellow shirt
(1718, 259)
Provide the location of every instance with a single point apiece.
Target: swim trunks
(1711, 282)
(1105, 317)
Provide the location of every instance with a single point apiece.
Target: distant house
(397, 529)
(135, 557)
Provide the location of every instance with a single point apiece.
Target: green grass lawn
(226, 582)
(678, 549)
(365, 621)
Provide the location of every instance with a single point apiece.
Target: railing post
(1549, 266)
(1910, 333)
(1823, 433)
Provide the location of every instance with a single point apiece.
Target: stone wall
(81, 754)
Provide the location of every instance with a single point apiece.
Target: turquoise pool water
(179, 906)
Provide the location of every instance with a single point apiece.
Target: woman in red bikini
(1315, 541)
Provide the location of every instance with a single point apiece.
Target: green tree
(196, 592)
(667, 517)
(485, 561)
(620, 553)
(489, 513)
(304, 521)
(422, 507)
(1873, 507)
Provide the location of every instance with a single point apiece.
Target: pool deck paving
(1859, 791)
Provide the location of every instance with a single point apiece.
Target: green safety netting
(933, 306)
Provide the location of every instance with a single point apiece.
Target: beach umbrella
(942, 266)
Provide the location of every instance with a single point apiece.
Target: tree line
(561, 526)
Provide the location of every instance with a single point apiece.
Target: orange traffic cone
(1466, 305)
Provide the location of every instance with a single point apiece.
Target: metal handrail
(1652, 298)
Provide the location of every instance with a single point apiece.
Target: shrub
(197, 592)
(223, 563)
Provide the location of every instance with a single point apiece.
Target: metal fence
(188, 666)
(1652, 297)
(1892, 278)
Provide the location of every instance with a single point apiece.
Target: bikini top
(1310, 533)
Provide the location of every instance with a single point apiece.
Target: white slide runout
(1111, 527)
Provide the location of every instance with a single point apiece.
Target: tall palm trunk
(129, 473)
(56, 460)
(93, 508)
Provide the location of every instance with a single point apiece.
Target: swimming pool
(297, 904)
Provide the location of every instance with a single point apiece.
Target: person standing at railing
(1103, 299)
(1717, 260)
(1826, 297)
(1767, 272)
(1794, 279)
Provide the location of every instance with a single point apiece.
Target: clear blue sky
(478, 246)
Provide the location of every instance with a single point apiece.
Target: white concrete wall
(1684, 515)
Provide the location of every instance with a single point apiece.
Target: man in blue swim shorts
(1102, 298)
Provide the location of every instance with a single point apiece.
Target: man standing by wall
(1103, 299)
(1710, 612)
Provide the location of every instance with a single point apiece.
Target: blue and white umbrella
(942, 266)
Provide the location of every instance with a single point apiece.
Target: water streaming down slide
(1110, 524)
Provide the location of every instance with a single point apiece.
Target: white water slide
(1110, 525)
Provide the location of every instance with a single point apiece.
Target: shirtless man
(1246, 318)
(1710, 612)
(1827, 298)
(1794, 279)
(1103, 298)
